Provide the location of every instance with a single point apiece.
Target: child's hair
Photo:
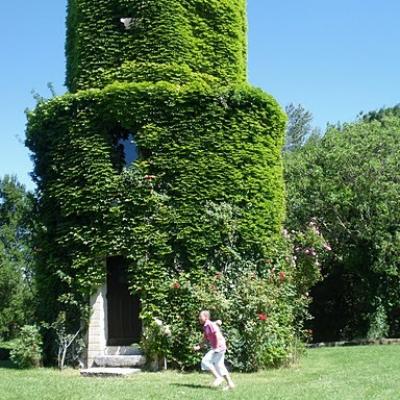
(205, 313)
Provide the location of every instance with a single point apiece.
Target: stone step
(123, 351)
(117, 361)
(109, 372)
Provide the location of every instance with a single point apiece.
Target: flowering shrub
(309, 247)
(156, 339)
(257, 314)
(262, 302)
(261, 327)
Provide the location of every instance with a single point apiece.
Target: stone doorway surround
(98, 326)
(97, 334)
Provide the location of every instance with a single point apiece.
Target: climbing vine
(175, 81)
(209, 36)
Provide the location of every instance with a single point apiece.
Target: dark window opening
(129, 150)
(125, 150)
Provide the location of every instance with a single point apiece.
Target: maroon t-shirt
(214, 336)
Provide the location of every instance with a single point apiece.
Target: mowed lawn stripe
(345, 373)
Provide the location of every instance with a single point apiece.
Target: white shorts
(216, 359)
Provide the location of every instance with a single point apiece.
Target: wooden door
(124, 325)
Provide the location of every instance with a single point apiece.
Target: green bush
(258, 317)
(348, 182)
(27, 349)
(263, 303)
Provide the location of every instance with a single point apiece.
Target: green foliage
(258, 317)
(263, 303)
(16, 283)
(348, 182)
(310, 250)
(206, 194)
(378, 326)
(209, 36)
(381, 114)
(27, 350)
(156, 342)
(197, 144)
(70, 345)
(262, 320)
(299, 126)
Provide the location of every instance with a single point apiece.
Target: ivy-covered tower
(159, 158)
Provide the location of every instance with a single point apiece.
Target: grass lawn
(356, 373)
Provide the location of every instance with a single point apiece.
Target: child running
(213, 361)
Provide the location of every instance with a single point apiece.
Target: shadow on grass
(7, 365)
(193, 386)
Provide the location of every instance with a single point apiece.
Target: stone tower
(207, 36)
(159, 124)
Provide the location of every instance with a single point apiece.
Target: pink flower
(327, 247)
(310, 252)
(262, 316)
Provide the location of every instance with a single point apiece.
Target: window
(125, 151)
(129, 150)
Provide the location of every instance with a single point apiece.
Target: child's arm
(202, 343)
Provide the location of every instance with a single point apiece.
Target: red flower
(282, 276)
(262, 316)
(176, 285)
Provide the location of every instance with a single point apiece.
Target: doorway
(123, 309)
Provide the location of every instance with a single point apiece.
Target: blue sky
(336, 57)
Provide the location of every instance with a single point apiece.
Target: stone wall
(97, 332)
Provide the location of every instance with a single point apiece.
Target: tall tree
(348, 181)
(299, 126)
(15, 257)
(381, 114)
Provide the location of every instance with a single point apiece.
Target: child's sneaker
(218, 381)
(231, 386)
